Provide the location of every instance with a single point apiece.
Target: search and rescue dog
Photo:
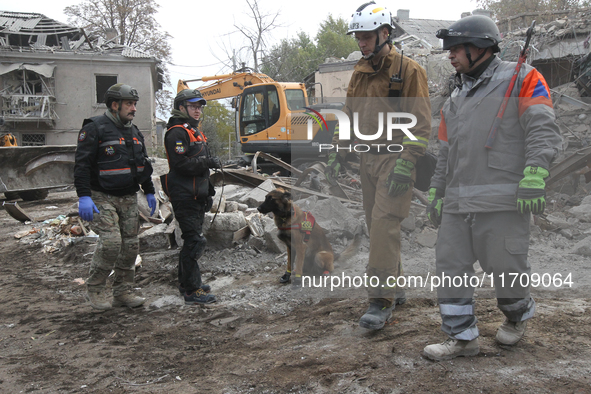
(304, 238)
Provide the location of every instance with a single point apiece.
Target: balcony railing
(29, 108)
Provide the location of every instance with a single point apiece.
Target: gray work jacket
(477, 179)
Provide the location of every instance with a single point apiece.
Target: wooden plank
(242, 233)
(278, 162)
(17, 212)
(576, 161)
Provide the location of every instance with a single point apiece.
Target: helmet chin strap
(469, 56)
(378, 47)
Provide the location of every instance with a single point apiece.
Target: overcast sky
(198, 27)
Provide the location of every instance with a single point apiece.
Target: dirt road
(262, 337)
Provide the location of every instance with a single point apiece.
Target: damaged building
(52, 76)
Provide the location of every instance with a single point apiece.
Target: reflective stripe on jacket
(104, 162)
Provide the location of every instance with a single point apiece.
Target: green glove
(333, 166)
(435, 207)
(399, 179)
(531, 196)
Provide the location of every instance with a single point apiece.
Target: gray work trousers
(500, 242)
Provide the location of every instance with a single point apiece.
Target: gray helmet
(120, 91)
(479, 30)
(188, 95)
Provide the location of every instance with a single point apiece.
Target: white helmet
(369, 17)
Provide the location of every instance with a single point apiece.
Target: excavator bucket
(27, 169)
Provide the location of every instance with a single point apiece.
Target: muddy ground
(262, 337)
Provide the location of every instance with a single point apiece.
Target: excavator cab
(271, 116)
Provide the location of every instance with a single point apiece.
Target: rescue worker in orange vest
(383, 82)
(483, 194)
(189, 189)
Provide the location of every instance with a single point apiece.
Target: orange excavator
(272, 117)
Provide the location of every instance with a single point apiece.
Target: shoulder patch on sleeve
(180, 148)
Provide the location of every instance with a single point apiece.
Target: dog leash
(217, 210)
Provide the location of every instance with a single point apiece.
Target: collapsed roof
(23, 31)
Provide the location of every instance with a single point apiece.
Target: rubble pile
(55, 234)
(578, 25)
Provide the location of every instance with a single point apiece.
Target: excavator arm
(227, 85)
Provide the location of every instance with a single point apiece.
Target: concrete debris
(256, 196)
(233, 192)
(583, 247)
(154, 238)
(255, 225)
(334, 217)
(220, 234)
(582, 212)
(219, 204)
(409, 224)
(427, 238)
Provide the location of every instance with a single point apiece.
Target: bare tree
(255, 33)
(136, 25)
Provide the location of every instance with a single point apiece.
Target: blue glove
(151, 202)
(85, 208)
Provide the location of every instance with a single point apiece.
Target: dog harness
(305, 226)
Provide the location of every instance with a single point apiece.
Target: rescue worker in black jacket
(111, 163)
(189, 189)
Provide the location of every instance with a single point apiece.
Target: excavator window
(295, 99)
(259, 109)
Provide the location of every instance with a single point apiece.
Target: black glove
(214, 162)
(208, 204)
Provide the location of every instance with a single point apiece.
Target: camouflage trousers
(117, 226)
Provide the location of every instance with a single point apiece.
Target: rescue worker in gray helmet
(484, 191)
(111, 165)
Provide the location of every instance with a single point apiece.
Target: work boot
(128, 299)
(452, 348)
(199, 297)
(99, 299)
(375, 317)
(205, 288)
(510, 332)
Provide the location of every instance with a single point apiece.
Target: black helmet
(120, 91)
(190, 95)
(479, 30)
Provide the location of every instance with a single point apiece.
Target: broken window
(27, 92)
(33, 139)
(103, 83)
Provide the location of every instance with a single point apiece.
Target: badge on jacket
(110, 150)
(82, 136)
(179, 148)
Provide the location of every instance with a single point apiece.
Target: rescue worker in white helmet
(485, 190)
(383, 82)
